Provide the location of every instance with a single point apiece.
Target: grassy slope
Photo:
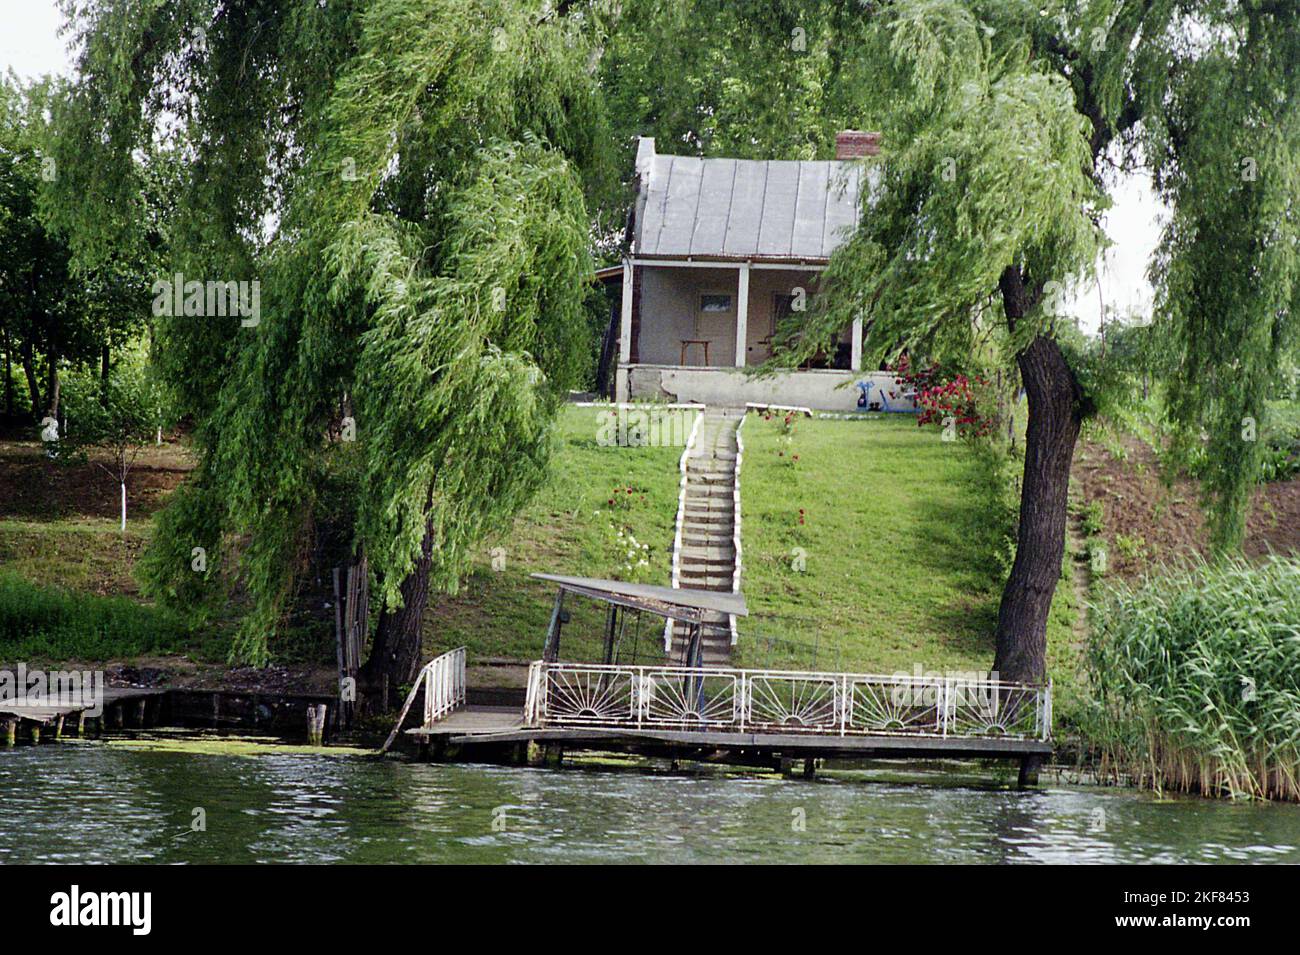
(566, 530)
(898, 550)
(899, 567)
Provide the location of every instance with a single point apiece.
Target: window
(715, 303)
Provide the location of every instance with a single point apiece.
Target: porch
(690, 329)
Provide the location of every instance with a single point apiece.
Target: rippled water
(101, 802)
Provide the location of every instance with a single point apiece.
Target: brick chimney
(854, 144)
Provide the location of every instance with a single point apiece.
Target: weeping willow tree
(1001, 120)
(405, 181)
(1225, 152)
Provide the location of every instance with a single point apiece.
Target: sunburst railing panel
(722, 699)
(596, 695)
(793, 702)
(682, 696)
(903, 705)
(993, 709)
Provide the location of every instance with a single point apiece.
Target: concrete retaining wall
(733, 387)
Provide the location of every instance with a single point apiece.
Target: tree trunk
(1056, 409)
(9, 375)
(103, 375)
(52, 387)
(395, 655)
(33, 386)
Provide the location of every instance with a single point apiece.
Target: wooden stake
(316, 723)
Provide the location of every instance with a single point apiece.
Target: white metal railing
(444, 684)
(784, 701)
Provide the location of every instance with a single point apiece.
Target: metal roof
(744, 208)
(658, 600)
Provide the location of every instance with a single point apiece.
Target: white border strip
(761, 406)
(681, 518)
(639, 405)
(735, 522)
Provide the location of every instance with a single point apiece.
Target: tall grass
(1195, 680)
(44, 623)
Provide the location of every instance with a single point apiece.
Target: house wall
(668, 305)
(669, 302)
(822, 390)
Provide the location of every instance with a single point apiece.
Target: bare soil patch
(1148, 523)
(32, 486)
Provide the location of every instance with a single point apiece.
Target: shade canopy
(677, 603)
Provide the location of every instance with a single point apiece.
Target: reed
(1194, 679)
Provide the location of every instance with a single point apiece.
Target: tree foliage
(1224, 148)
(405, 180)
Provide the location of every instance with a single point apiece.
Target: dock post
(554, 755)
(787, 766)
(316, 724)
(10, 733)
(809, 768)
(58, 726)
(81, 723)
(140, 710)
(529, 753)
(36, 733)
(1029, 766)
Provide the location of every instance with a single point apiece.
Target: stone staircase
(707, 558)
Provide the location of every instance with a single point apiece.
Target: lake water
(114, 802)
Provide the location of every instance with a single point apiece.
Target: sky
(30, 46)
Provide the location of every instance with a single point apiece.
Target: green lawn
(897, 545)
(899, 540)
(84, 554)
(570, 528)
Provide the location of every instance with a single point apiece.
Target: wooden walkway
(36, 716)
(488, 732)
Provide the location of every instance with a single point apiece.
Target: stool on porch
(687, 342)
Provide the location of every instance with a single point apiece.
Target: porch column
(625, 324)
(855, 350)
(621, 384)
(742, 314)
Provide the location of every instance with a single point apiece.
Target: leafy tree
(1222, 136)
(37, 294)
(121, 420)
(1003, 121)
(52, 312)
(405, 179)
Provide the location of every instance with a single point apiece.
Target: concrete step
(709, 520)
(709, 495)
(716, 584)
(713, 560)
(706, 539)
(725, 529)
(720, 455)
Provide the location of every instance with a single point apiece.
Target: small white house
(720, 251)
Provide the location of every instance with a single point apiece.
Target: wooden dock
(499, 734)
(34, 718)
(719, 714)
